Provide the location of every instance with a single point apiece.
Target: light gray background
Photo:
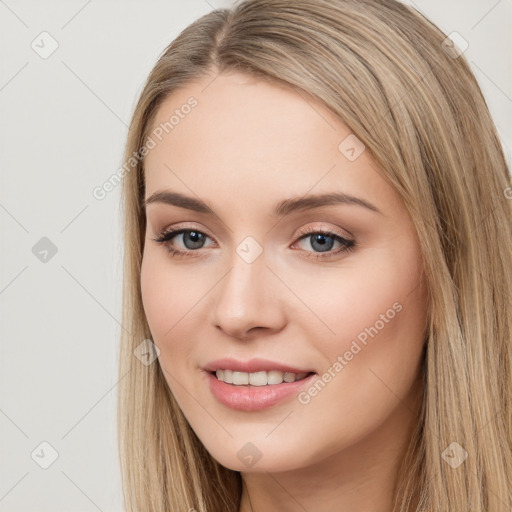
(63, 124)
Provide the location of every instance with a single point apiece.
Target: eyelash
(166, 236)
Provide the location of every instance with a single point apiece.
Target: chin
(260, 456)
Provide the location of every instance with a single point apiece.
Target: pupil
(324, 246)
(196, 240)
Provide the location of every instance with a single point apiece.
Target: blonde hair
(381, 67)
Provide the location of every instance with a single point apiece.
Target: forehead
(251, 112)
(246, 136)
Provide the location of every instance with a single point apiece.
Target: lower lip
(255, 398)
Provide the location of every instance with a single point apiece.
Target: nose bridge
(246, 297)
(245, 283)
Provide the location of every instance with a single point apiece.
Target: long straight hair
(388, 74)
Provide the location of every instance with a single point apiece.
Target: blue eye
(323, 241)
(197, 239)
(193, 240)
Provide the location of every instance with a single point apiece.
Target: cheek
(169, 296)
(370, 297)
(377, 315)
(156, 299)
(372, 312)
(378, 304)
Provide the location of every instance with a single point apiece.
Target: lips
(258, 395)
(255, 398)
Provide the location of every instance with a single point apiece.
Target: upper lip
(252, 366)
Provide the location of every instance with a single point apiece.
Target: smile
(254, 391)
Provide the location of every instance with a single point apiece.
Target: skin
(247, 145)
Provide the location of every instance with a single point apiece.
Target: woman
(317, 271)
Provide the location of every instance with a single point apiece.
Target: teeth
(257, 378)
(240, 378)
(274, 377)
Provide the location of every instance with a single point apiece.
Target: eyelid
(333, 231)
(180, 227)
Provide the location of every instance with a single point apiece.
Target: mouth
(259, 378)
(256, 391)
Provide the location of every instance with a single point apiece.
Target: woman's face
(332, 289)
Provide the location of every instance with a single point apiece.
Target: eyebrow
(280, 209)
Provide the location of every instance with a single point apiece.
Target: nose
(249, 300)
